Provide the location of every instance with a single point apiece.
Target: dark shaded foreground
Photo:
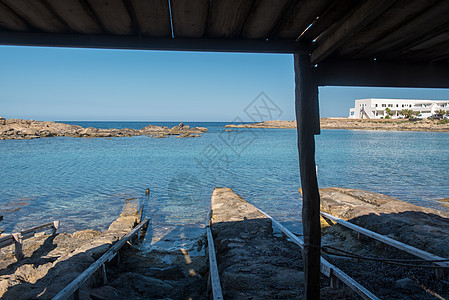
(423, 228)
(254, 263)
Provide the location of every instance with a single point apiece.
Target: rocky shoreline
(361, 124)
(18, 129)
(52, 261)
(423, 228)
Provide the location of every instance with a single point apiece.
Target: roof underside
(412, 31)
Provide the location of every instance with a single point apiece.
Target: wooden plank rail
(17, 238)
(73, 287)
(394, 243)
(327, 268)
(214, 277)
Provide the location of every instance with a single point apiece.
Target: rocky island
(361, 124)
(18, 129)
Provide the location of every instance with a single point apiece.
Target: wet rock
(170, 273)
(409, 285)
(151, 287)
(106, 293)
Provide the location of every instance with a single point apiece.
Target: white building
(375, 108)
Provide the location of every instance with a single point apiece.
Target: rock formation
(30, 129)
(365, 124)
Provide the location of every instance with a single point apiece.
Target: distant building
(375, 108)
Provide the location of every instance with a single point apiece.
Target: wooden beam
(414, 29)
(217, 293)
(305, 13)
(189, 17)
(10, 20)
(113, 15)
(75, 16)
(386, 240)
(227, 17)
(307, 119)
(262, 19)
(334, 13)
(398, 14)
(326, 267)
(37, 14)
(153, 17)
(149, 43)
(361, 17)
(382, 74)
(71, 288)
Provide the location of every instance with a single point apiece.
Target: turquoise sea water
(84, 182)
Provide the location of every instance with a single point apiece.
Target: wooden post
(308, 124)
(55, 227)
(18, 246)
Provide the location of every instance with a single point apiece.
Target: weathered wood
(6, 240)
(75, 16)
(106, 257)
(334, 14)
(366, 13)
(227, 17)
(189, 17)
(33, 230)
(307, 118)
(149, 43)
(409, 32)
(213, 268)
(435, 49)
(153, 17)
(17, 237)
(37, 14)
(10, 20)
(305, 13)
(262, 18)
(113, 15)
(381, 73)
(326, 267)
(399, 13)
(389, 241)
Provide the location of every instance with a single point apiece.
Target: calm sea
(84, 182)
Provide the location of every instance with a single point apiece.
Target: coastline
(360, 124)
(19, 129)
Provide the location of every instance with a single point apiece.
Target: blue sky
(91, 84)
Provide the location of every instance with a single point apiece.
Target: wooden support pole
(55, 227)
(18, 246)
(104, 276)
(308, 124)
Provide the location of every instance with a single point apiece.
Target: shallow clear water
(84, 181)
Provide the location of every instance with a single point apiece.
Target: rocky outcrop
(253, 262)
(265, 124)
(424, 228)
(365, 124)
(30, 129)
(53, 261)
(421, 227)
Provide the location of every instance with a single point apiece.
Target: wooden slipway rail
(327, 268)
(214, 277)
(73, 287)
(389, 241)
(17, 238)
